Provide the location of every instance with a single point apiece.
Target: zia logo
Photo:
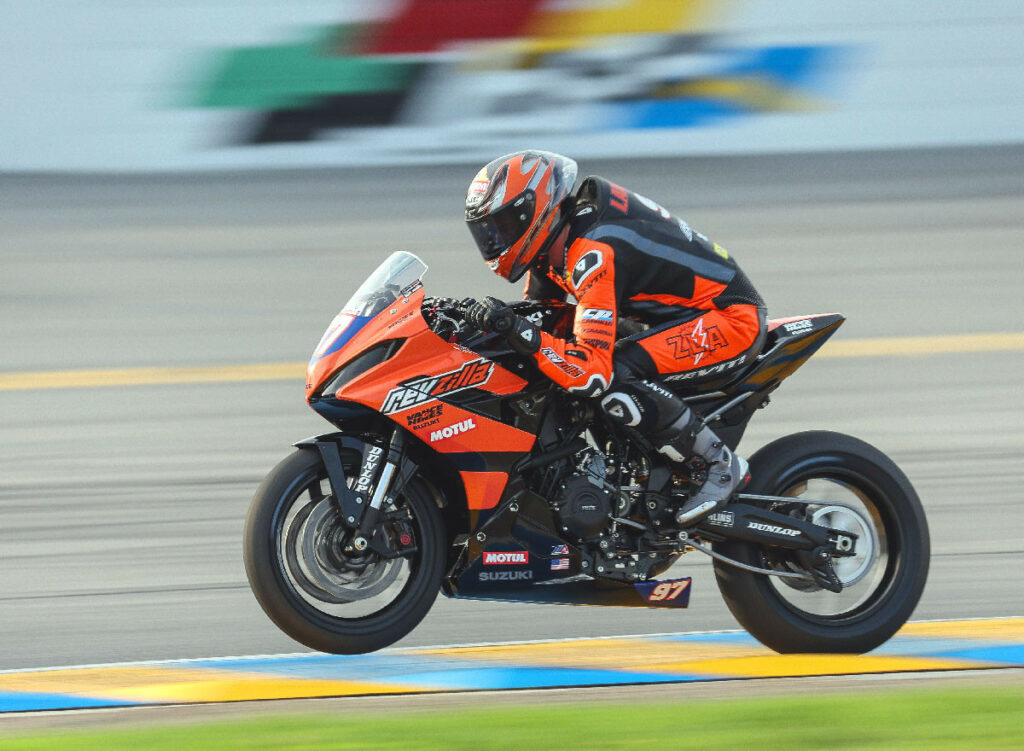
(699, 342)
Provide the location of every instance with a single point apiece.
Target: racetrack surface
(123, 506)
(663, 659)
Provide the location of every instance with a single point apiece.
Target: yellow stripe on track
(289, 371)
(81, 379)
(923, 345)
(166, 684)
(991, 644)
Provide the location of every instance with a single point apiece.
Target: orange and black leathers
(627, 256)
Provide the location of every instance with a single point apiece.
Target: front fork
(376, 485)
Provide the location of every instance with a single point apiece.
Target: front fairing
(447, 396)
(394, 282)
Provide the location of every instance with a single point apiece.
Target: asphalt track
(122, 503)
(949, 647)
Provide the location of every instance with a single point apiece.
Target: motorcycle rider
(620, 256)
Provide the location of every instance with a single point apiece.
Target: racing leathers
(629, 264)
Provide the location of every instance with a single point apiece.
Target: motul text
(514, 558)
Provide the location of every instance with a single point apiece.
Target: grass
(932, 720)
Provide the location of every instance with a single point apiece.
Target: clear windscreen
(384, 286)
(399, 273)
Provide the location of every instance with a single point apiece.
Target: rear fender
(790, 343)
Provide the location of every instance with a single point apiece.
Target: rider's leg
(672, 426)
(719, 343)
(726, 470)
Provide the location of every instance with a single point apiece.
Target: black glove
(491, 314)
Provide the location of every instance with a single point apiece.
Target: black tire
(892, 585)
(279, 589)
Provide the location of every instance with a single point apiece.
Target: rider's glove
(491, 314)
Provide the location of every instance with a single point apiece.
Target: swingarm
(813, 545)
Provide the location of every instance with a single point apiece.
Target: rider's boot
(726, 471)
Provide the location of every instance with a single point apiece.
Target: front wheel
(854, 487)
(310, 581)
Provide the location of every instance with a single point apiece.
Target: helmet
(512, 208)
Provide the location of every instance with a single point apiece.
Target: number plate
(674, 593)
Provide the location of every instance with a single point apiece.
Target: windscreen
(385, 284)
(383, 287)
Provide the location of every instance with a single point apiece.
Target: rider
(618, 255)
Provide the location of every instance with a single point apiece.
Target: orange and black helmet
(513, 208)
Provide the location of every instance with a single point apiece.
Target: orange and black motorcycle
(458, 467)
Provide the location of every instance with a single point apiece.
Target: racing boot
(726, 471)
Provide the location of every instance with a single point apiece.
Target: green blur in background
(991, 718)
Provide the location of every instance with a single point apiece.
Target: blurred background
(203, 184)
(112, 86)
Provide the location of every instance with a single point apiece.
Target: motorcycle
(457, 467)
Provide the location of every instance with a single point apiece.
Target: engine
(602, 505)
(583, 503)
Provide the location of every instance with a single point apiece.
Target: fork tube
(372, 514)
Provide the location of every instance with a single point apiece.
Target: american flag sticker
(560, 564)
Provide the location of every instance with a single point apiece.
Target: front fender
(441, 478)
(329, 446)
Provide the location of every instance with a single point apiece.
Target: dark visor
(497, 232)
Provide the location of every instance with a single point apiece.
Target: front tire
(314, 591)
(861, 488)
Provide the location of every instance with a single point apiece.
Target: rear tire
(291, 596)
(802, 617)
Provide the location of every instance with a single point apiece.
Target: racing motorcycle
(457, 467)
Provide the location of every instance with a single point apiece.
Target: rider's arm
(585, 365)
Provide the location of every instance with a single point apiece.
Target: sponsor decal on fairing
(421, 390)
(505, 576)
(453, 430)
(507, 558)
(794, 327)
(424, 418)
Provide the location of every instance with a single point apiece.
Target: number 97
(668, 591)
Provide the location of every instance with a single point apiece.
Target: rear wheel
(311, 582)
(855, 488)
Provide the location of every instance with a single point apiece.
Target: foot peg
(699, 510)
(716, 490)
